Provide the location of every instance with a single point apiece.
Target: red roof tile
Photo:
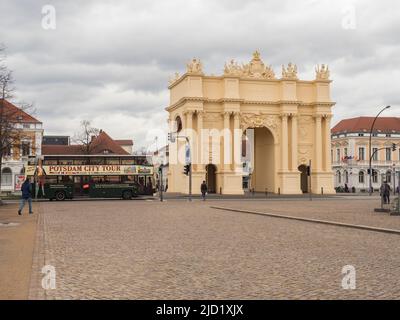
(103, 142)
(124, 142)
(17, 114)
(363, 124)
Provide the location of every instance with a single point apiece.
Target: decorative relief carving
(304, 127)
(212, 116)
(322, 72)
(304, 155)
(254, 120)
(290, 72)
(194, 67)
(254, 69)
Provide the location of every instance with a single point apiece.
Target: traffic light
(308, 170)
(186, 169)
(393, 146)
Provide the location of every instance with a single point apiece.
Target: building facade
(290, 119)
(350, 152)
(28, 145)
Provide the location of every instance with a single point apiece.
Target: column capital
(236, 114)
(200, 113)
(226, 113)
(189, 112)
(327, 116)
(317, 116)
(284, 115)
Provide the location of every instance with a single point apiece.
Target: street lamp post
(370, 142)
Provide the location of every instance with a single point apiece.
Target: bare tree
(86, 136)
(11, 134)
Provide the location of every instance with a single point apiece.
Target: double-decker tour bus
(96, 176)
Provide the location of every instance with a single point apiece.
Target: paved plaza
(181, 250)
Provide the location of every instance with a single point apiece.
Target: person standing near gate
(203, 189)
(26, 189)
(385, 192)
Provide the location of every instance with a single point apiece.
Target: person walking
(203, 189)
(26, 189)
(387, 192)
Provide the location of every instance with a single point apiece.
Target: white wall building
(350, 152)
(15, 159)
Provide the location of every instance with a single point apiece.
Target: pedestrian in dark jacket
(203, 189)
(26, 189)
(385, 192)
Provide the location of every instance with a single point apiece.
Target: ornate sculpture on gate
(195, 66)
(290, 72)
(322, 72)
(254, 69)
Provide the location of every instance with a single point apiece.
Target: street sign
(187, 154)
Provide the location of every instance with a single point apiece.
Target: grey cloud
(109, 61)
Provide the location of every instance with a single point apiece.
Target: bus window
(112, 161)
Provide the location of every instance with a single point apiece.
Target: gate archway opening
(263, 176)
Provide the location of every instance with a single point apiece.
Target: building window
(374, 176)
(389, 176)
(388, 154)
(345, 152)
(338, 155)
(388, 135)
(6, 177)
(361, 177)
(361, 153)
(375, 154)
(26, 126)
(25, 148)
(361, 134)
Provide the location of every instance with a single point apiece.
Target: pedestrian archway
(211, 180)
(303, 178)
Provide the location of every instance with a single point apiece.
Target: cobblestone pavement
(181, 250)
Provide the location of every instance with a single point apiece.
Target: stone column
(200, 149)
(237, 143)
(189, 131)
(327, 128)
(318, 144)
(284, 142)
(294, 142)
(227, 146)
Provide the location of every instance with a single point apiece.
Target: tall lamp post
(370, 147)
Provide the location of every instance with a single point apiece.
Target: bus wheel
(60, 196)
(126, 195)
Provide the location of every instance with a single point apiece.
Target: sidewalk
(17, 242)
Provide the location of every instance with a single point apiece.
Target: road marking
(333, 223)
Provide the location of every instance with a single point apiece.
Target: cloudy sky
(109, 61)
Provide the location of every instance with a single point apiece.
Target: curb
(326, 222)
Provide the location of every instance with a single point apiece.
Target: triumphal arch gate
(278, 124)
